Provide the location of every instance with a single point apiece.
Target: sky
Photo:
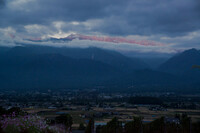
(165, 26)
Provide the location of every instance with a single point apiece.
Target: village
(84, 104)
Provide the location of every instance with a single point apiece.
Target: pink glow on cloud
(12, 36)
(34, 39)
(112, 40)
(101, 39)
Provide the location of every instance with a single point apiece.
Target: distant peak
(19, 48)
(190, 51)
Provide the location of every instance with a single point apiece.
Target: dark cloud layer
(2, 3)
(159, 20)
(118, 17)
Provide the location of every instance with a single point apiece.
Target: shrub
(28, 124)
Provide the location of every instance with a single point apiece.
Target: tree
(156, 126)
(196, 66)
(16, 111)
(2, 111)
(1, 130)
(134, 126)
(65, 119)
(113, 126)
(81, 126)
(196, 127)
(185, 123)
(90, 126)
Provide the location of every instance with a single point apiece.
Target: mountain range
(42, 67)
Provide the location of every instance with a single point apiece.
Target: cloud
(173, 17)
(111, 40)
(2, 3)
(156, 20)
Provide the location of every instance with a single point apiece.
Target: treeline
(145, 100)
(17, 111)
(178, 124)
